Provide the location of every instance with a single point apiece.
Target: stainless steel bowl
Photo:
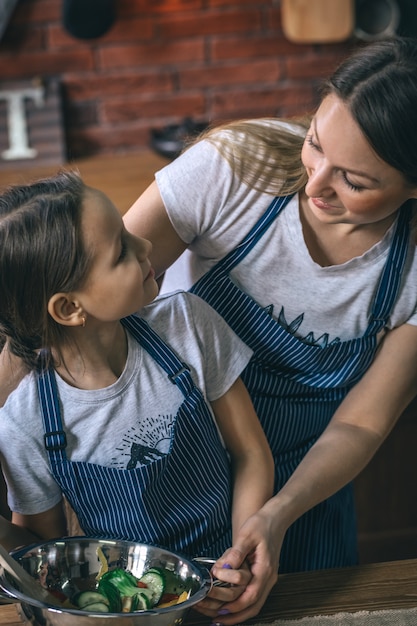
(72, 564)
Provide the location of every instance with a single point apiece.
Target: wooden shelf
(122, 177)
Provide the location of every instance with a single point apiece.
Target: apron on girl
(181, 501)
(296, 388)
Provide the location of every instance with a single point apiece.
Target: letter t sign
(16, 121)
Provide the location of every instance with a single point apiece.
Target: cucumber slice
(85, 599)
(96, 607)
(143, 602)
(138, 602)
(154, 579)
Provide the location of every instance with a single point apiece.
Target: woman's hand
(251, 566)
(227, 587)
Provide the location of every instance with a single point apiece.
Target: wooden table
(372, 587)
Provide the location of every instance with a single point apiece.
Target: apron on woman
(296, 388)
(181, 501)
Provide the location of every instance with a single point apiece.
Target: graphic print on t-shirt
(149, 441)
(323, 341)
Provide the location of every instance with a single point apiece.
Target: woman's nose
(319, 182)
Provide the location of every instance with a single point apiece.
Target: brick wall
(163, 60)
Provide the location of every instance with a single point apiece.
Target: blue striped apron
(296, 388)
(181, 501)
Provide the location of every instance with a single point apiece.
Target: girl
(141, 421)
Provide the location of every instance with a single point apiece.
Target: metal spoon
(206, 561)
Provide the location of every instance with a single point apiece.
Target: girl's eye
(351, 185)
(311, 143)
(123, 250)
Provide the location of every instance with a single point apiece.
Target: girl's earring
(84, 320)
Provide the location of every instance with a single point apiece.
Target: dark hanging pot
(376, 19)
(88, 19)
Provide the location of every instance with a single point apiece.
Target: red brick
(133, 7)
(264, 71)
(299, 109)
(38, 11)
(253, 47)
(137, 7)
(44, 63)
(153, 54)
(58, 37)
(231, 3)
(175, 106)
(210, 23)
(91, 86)
(260, 102)
(133, 29)
(273, 18)
(311, 65)
(18, 37)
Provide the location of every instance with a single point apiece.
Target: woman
(304, 242)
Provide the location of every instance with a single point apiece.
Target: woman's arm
(27, 529)
(358, 428)
(148, 218)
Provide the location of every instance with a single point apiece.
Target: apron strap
(178, 371)
(55, 438)
(390, 279)
(235, 256)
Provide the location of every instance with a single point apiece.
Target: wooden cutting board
(317, 21)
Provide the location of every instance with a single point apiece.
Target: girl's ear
(66, 311)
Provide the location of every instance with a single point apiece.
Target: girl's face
(121, 279)
(347, 181)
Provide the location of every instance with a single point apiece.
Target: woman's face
(347, 181)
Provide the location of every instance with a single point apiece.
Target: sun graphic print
(149, 441)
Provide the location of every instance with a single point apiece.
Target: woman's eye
(351, 185)
(311, 143)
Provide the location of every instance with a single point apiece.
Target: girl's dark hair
(379, 85)
(41, 253)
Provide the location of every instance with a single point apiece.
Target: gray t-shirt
(212, 210)
(101, 425)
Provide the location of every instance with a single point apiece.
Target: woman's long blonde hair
(263, 153)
